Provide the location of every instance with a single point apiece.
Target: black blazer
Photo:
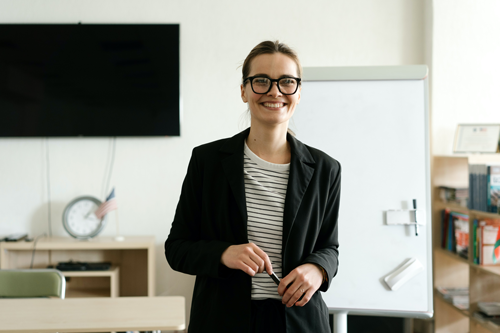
(211, 215)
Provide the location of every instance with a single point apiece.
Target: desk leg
(340, 322)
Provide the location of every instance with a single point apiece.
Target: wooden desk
(134, 259)
(92, 314)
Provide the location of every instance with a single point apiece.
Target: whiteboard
(375, 122)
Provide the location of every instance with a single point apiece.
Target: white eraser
(409, 269)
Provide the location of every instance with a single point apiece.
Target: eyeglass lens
(286, 85)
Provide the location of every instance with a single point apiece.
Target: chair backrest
(17, 283)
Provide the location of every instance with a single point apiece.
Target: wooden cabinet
(132, 272)
(451, 270)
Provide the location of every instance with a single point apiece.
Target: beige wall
(466, 67)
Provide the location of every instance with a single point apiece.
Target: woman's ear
(243, 95)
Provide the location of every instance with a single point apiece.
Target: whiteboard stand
(340, 322)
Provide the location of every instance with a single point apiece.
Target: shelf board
(463, 312)
(112, 271)
(87, 292)
(474, 158)
(489, 326)
(454, 256)
(70, 243)
(491, 269)
(455, 207)
(451, 206)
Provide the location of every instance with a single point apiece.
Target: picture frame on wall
(477, 138)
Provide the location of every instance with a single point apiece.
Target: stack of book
(457, 196)
(484, 187)
(459, 297)
(485, 235)
(455, 232)
(489, 313)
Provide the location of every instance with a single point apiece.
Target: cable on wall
(34, 248)
(49, 207)
(111, 158)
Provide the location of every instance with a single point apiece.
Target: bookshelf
(132, 269)
(451, 270)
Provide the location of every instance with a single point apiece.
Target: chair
(19, 283)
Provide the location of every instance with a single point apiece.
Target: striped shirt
(265, 191)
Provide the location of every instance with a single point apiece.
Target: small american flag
(107, 206)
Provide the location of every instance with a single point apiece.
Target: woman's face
(273, 108)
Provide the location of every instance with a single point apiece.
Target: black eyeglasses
(263, 84)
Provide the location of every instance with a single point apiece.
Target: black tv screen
(64, 80)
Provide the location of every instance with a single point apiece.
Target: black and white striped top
(265, 191)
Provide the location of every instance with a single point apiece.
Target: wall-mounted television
(90, 80)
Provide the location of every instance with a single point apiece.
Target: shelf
(455, 207)
(84, 292)
(473, 158)
(454, 256)
(132, 263)
(485, 324)
(451, 270)
(464, 312)
(492, 269)
(114, 270)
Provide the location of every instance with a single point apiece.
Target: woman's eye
(261, 81)
(287, 82)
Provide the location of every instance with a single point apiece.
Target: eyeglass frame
(272, 81)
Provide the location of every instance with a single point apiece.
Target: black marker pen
(275, 278)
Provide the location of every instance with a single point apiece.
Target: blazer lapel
(301, 172)
(233, 169)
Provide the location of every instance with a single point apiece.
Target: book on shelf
(486, 234)
(489, 308)
(457, 196)
(492, 321)
(459, 297)
(494, 188)
(484, 187)
(455, 232)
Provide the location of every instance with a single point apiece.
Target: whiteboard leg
(340, 322)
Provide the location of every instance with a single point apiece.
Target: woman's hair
(269, 47)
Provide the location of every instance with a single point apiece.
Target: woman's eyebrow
(281, 76)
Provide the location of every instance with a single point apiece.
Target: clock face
(79, 219)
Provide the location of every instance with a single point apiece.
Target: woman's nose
(274, 90)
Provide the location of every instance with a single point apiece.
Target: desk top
(92, 314)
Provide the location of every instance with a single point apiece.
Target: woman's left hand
(303, 280)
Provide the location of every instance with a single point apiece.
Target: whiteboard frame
(369, 73)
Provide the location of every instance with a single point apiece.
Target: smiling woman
(255, 204)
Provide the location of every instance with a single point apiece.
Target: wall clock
(79, 219)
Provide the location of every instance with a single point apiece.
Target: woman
(257, 203)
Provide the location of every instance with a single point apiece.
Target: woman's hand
(247, 257)
(303, 280)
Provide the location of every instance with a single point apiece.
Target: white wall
(215, 38)
(466, 67)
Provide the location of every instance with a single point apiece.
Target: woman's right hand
(247, 257)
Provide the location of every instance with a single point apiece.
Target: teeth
(273, 105)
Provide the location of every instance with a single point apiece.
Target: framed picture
(477, 138)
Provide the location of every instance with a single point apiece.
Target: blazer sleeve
(326, 248)
(185, 249)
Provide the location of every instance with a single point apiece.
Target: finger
(247, 269)
(306, 298)
(267, 262)
(258, 261)
(248, 262)
(295, 297)
(283, 286)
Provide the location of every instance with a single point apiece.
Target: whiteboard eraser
(409, 269)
